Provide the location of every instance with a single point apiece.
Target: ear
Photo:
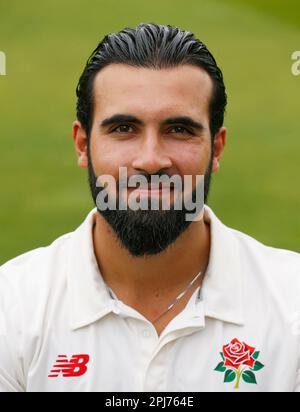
(80, 142)
(219, 144)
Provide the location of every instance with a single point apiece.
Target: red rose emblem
(239, 361)
(238, 353)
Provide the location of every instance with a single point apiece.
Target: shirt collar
(221, 293)
(222, 288)
(88, 297)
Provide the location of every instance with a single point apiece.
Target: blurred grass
(43, 192)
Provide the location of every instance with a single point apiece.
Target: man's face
(164, 130)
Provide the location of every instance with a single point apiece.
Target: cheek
(107, 157)
(193, 160)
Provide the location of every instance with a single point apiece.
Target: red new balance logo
(76, 366)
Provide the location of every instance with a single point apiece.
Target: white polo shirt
(61, 330)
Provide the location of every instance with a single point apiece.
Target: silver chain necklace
(181, 294)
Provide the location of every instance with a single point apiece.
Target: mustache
(148, 176)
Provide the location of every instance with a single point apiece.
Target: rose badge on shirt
(239, 360)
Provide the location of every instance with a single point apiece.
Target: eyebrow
(182, 120)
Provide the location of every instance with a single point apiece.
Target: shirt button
(146, 333)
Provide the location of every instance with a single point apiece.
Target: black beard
(147, 232)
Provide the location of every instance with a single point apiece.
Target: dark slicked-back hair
(154, 46)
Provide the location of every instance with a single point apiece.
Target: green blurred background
(43, 192)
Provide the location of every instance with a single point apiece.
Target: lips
(150, 189)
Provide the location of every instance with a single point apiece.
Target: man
(144, 299)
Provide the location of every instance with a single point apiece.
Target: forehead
(152, 93)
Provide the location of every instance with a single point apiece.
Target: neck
(160, 275)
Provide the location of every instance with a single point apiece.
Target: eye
(180, 130)
(123, 128)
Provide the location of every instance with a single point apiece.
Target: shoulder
(273, 269)
(275, 258)
(249, 248)
(33, 272)
(28, 284)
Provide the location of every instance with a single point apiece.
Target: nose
(151, 156)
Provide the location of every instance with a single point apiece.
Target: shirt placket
(152, 356)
